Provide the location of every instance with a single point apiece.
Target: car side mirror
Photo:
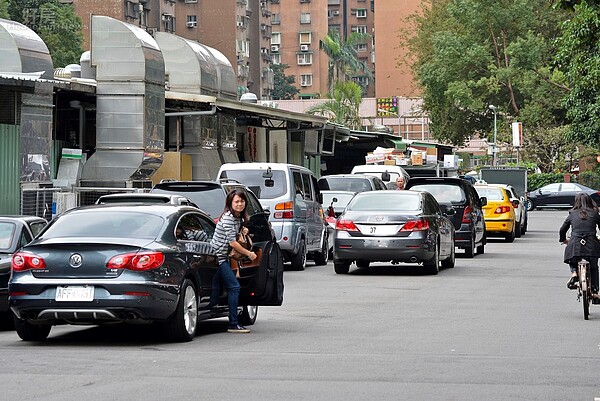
(516, 203)
(448, 210)
(266, 212)
(385, 176)
(483, 200)
(268, 173)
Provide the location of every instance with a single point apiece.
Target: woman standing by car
(583, 220)
(224, 239)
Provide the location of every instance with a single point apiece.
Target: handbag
(238, 260)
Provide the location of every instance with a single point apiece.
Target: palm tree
(343, 57)
(343, 105)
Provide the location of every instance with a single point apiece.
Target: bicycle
(584, 287)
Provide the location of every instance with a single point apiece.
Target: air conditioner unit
(336, 12)
(274, 48)
(240, 24)
(303, 48)
(191, 24)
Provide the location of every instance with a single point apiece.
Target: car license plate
(380, 230)
(75, 293)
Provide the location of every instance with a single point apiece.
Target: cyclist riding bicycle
(583, 220)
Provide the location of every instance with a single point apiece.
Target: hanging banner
(517, 134)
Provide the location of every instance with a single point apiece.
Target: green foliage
(535, 181)
(284, 84)
(473, 53)
(590, 179)
(548, 148)
(57, 25)
(343, 105)
(4, 9)
(578, 57)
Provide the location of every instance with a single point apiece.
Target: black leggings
(593, 264)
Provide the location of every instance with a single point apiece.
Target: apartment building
(297, 28)
(347, 16)
(392, 71)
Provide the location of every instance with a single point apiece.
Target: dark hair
(229, 201)
(583, 202)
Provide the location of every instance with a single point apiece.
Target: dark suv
(468, 217)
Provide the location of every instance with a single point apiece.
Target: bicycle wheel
(585, 287)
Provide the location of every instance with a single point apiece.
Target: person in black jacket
(583, 220)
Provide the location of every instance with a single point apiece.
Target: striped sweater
(226, 232)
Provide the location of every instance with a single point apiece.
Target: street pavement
(500, 326)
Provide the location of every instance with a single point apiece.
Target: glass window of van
(254, 180)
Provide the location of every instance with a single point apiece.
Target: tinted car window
(343, 199)
(382, 201)
(211, 199)
(443, 192)
(357, 184)
(254, 179)
(36, 228)
(306, 185)
(107, 224)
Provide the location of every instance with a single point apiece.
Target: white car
(520, 205)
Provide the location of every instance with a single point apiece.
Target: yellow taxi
(499, 213)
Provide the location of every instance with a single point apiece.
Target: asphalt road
(500, 326)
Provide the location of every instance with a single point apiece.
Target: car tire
(470, 250)
(181, 326)
(341, 266)
(363, 264)
(298, 260)
(432, 266)
(247, 316)
(481, 249)
(530, 205)
(31, 332)
(450, 261)
(510, 237)
(518, 231)
(321, 258)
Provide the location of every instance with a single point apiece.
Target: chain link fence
(48, 202)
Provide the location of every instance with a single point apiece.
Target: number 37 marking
(372, 230)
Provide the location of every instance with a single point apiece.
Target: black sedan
(15, 231)
(124, 263)
(396, 226)
(559, 195)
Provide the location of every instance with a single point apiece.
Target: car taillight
(415, 225)
(284, 210)
(502, 209)
(138, 261)
(22, 261)
(345, 225)
(467, 215)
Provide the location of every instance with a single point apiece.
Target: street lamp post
(494, 161)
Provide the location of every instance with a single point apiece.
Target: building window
(361, 13)
(359, 28)
(304, 58)
(192, 21)
(190, 1)
(169, 22)
(305, 18)
(306, 80)
(305, 38)
(275, 58)
(131, 9)
(333, 2)
(275, 19)
(361, 47)
(276, 38)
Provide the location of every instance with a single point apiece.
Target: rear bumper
(383, 249)
(499, 226)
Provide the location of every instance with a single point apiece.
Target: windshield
(106, 223)
(382, 201)
(6, 235)
(254, 180)
(443, 193)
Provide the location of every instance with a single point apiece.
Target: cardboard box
(389, 162)
(417, 158)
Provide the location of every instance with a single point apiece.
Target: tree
(578, 57)
(4, 9)
(284, 88)
(343, 105)
(343, 56)
(57, 25)
(549, 149)
(473, 53)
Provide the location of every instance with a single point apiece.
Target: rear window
(129, 199)
(493, 194)
(254, 180)
(342, 199)
(443, 193)
(6, 235)
(382, 201)
(210, 199)
(345, 184)
(106, 223)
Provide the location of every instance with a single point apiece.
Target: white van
(387, 173)
(293, 198)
